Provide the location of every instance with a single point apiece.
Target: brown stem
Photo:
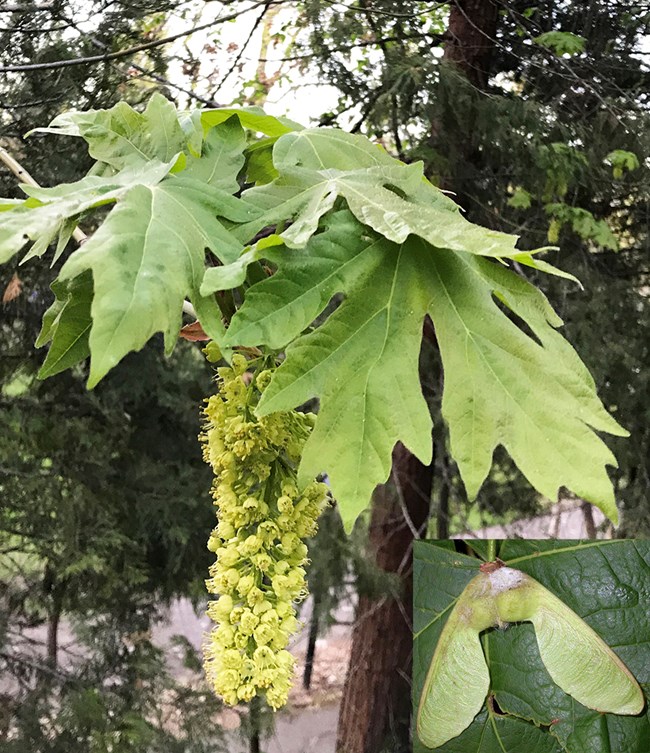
(588, 515)
(311, 643)
(442, 515)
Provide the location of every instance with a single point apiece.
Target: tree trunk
(470, 37)
(254, 720)
(588, 516)
(469, 43)
(56, 592)
(376, 703)
(53, 637)
(311, 643)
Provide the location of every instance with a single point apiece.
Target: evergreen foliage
(103, 513)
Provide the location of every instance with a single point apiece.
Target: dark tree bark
(588, 515)
(53, 637)
(376, 702)
(468, 48)
(56, 591)
(470, 38)
(311, 643)
(442, 513)
(254, 712)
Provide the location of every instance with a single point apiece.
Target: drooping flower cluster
(262, 518)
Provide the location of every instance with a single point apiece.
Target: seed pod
(577, 659)
(456, 684)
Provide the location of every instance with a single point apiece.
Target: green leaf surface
(53, 211)
(562, 42)
(147, 256)
(607, 583)
(121, 136)
(222, 157)
(393, 198)
(149, 253)
(21, 224)
(67, 325)
(520, 199)
(525, 390)
(253, 118)
(491, 733)
(259, 161)
(7, 204)
(502, 387)
(192, 127)
(366, 405)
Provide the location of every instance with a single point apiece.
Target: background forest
(535, 115)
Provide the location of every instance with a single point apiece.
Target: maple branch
(16, 168)
(25, 8)
(21, 173)
(363, 43)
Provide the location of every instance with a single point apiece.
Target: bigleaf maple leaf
(503, 386)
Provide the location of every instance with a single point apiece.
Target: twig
(25, 8)
(16, 168)
(131, 50)
(189, 309)
(350, 47)
(402, 504)
(149, 74)
(21, 173)
(242, 48)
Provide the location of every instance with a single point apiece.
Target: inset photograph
(537, 646)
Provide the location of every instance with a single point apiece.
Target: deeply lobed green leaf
(146, 258)
(525, 389)
(348, 219)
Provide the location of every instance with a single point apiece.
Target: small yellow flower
(262, 519)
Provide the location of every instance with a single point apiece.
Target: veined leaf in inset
(530, 394)
(613, 601)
